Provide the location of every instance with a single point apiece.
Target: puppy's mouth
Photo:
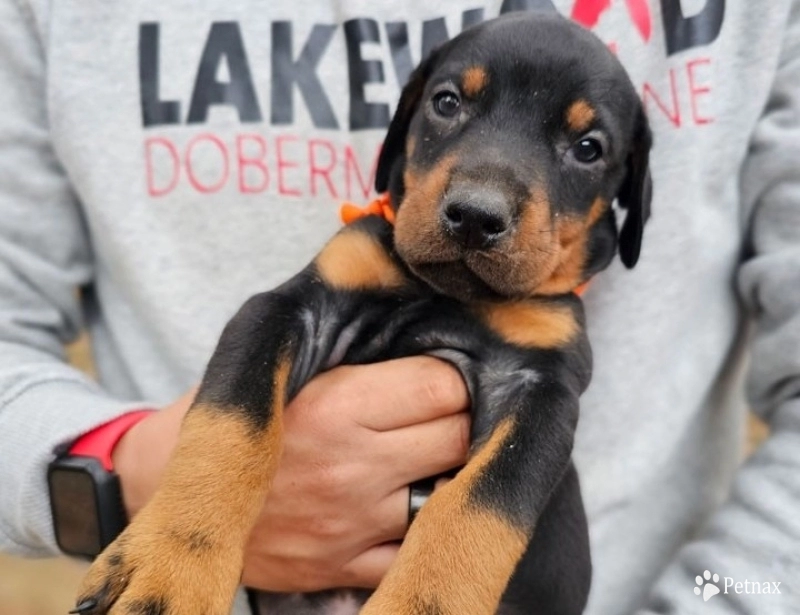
(505, 271)
(456, 279)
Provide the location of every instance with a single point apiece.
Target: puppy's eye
(587, 150)
(447, 104)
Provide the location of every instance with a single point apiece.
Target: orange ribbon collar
(350, 212)
(380, 206)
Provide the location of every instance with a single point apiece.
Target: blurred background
(37, 587)
(47, 587)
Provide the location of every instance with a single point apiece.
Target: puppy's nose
(476, 223)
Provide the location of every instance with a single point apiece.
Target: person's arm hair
(755, 536)
(45, 257)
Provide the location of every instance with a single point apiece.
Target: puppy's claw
(84, 606)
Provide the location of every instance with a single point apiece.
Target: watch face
(74, 502)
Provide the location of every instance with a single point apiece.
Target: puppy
(508, 148)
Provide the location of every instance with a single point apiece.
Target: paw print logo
(710, 582)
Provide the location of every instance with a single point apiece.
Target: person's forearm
(43, 405)
(751, 548)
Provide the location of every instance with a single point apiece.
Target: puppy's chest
(359, 328)
(502, 350)
(332, 602)
(347, 329)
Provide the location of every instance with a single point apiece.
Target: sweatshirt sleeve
(755, 536)
(45, 258)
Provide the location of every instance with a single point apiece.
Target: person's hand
(355, 437)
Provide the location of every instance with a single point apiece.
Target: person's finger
(427, 449)
(368, 569)
(407, 391)
(392, 517)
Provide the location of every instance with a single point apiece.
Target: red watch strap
(100, 441)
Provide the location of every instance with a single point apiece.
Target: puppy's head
(508, 147)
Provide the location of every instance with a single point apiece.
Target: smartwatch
(85, 493)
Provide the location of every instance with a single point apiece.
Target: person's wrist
(142, 453)
(128, 459)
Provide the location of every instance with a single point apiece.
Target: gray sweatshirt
(169, 159)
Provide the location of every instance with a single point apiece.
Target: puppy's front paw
(155, 570)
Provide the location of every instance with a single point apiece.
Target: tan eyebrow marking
(580, 115)
(474, 80)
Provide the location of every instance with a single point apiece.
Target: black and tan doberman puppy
(508, 148)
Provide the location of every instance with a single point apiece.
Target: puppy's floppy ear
(395, 143)
(636, 192)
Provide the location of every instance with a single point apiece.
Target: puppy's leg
(466, 542)
(182, 555)
(555, 574)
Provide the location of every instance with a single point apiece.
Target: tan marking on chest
(580, 116)
(474, 80)
(529, 324)
(354, 260)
